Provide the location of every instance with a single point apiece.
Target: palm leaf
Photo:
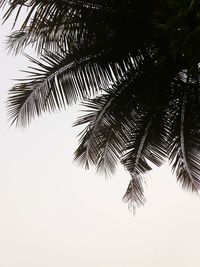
(184, 153)
(60, 79)
(119, 128)
(44, 40)
(134, 195)
(102, 141)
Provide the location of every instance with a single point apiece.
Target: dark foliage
(136, 66)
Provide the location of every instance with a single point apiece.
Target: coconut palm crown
(134, 65)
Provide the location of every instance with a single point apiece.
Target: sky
(54, 213)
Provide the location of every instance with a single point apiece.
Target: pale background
(54, 214)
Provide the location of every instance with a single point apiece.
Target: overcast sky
(55, 214)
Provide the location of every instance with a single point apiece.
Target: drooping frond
(146, 141)
(120, 129)
(134, 195)
(103, 139)
(185, 141)
(17, 41)
(60, 79)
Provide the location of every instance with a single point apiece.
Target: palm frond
(59, 79)
(134, 195)
(102, 141)
(146, 142)
(44, 40)
(147, 138)
(120, 129)
(108, 117)
(113, 24)
(184, 153)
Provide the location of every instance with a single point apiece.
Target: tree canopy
(135, 66)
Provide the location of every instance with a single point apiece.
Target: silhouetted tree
(135, 64)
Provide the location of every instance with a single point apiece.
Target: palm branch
(184, 137)
(59, 79)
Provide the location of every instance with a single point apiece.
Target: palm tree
(135, 66)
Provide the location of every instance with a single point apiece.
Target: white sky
(54, 214)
